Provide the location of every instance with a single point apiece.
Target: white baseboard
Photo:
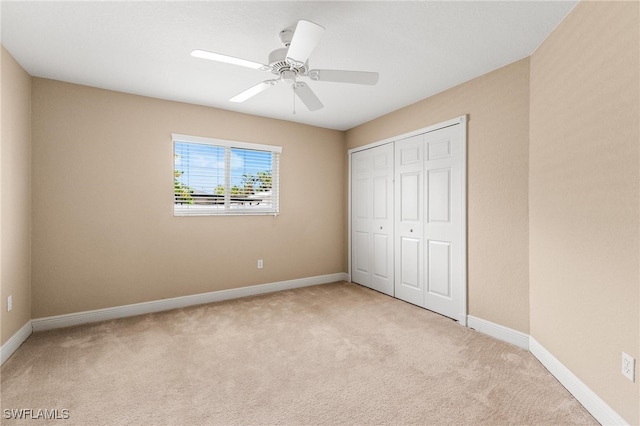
(589, 400)
(15, 341)
(67, 320)
(592, 402)
(498, 331)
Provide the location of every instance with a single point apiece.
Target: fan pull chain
(294, 98)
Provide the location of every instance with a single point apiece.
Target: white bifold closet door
(429, 242)
(372, 218)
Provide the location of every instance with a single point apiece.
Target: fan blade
(340, 76)
(229, 60)
(252, 91)
(305, 38)
(307, 96)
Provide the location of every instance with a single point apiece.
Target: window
(216, 177)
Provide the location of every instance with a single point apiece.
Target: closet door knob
(410, 230)
(381, 227)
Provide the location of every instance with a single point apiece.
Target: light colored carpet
(330, 354)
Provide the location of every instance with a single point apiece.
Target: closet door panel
(361, 170)
(361, 253)
(439, 272)
(372, 218)
(409, 213)
(381, 256)
(439, 195)
(410, 187)
(443, 203)
(409, 261)
(382, 219)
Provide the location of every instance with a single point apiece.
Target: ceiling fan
(291, 62)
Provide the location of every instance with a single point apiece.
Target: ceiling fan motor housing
(278, 63)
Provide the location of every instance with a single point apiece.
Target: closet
(408, 217)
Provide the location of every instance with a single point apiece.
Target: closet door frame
(462, 120)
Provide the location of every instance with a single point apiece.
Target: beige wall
(104, 233)
(584, 201)
(15, 196)
(497, 105)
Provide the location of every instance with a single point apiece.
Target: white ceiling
(419, 48)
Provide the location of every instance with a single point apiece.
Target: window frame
(274, 210)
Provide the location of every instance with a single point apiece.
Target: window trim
(179, 211)
(226, 143)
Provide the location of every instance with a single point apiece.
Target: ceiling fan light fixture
(288, 76)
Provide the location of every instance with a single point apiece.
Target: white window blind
(217, 177)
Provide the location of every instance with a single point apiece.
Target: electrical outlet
(9, 303)
(628, 367)
(259, 263)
